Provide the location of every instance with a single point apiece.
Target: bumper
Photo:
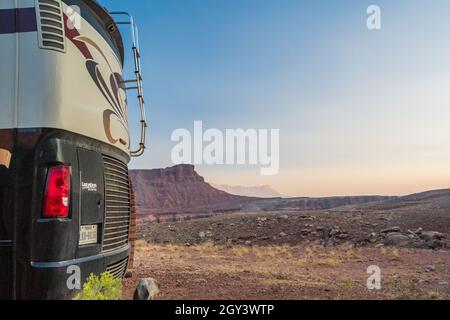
(54, 280)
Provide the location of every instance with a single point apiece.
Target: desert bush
(434, 295)
(103, 287)
(347, 282)
(395, 253)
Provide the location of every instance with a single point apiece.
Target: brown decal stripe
(72, 34)
(116, 81)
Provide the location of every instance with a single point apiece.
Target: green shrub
(103, 287)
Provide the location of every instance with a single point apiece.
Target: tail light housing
(57, 192)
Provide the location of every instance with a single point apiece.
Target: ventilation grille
(118, 269)
(117, 204)
(51, 25)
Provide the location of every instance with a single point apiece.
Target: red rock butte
(179, 190)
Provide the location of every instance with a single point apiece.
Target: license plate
(88, 235)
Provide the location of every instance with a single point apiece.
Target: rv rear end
(65, 199)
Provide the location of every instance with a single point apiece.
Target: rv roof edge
(108, 20)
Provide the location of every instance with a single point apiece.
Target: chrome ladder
(138, 80)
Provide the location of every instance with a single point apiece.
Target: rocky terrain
(304, 272)
(284, 251)
(301, 248)
(418, 228)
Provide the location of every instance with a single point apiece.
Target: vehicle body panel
(57, 107)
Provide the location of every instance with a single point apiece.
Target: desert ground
(292, 254)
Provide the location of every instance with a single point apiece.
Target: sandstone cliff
(179, 189)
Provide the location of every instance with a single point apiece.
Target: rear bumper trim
(61, 264)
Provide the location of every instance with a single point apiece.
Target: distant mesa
(258, 191)
(180, 191)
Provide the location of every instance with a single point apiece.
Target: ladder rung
(129, 81)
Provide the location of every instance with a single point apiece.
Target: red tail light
(57, 193)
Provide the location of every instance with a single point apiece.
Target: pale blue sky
(360, 112)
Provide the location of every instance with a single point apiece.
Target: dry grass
(395, 253)
(273, 265)
(433, 295)
(347, 282)
(277, 268)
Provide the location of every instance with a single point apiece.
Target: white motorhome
(65, 195)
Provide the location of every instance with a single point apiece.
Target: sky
(359, 111)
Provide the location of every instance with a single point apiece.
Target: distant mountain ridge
(257, 191)
(427, 195)
(180, 190)
(437, 199)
